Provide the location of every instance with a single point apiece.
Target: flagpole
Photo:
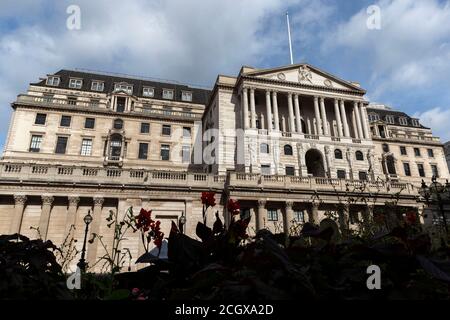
(289, 35)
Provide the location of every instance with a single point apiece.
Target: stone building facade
(292, 144)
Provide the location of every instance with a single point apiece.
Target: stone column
(288, 218)
(344, 120)
(364, 120)
(19, 206)
(261, 121)
(324, 117)
(298, 118)
(262, 214)
(291, 113)
(95, 228)
(344, 216)
(71, 213)
(252, 107)
(328, 161)
(313, 213)
(338, 118)
(355, 128)
(44, 220)
(358, 120)
(244, 105)
(283, 124)
(268, 111)
(275, 111)
(317, 115)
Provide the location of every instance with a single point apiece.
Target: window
(166, 130)
(421, 170)
(145, 127)
(168, 94)
(341, 174)
(415, 123)
(89, 123)
(128, 88)
(373, 117)
(403, 151)
(359, 156)
(40, 118)
(265, 169)
(61, 144)
(186, 96)
(186, 154)
(362, 175)
(299, 216)
(115, 147)
(264, 148)
(143, 151)
(290, 171)
(390, 119)
(337, 154)
(75, 83)
(35, 145)
(186, 132)
(118, 124)
(272, 215)
(430, 153)
(417, 152)
(165, 152)
(288, 150)
(148, 92)
(403, 121)
(53, 81)
(407, 169)
(72, 101)
(97, 85)
(120, 104)
(65, 121)
(86, 147)
(434, 171)
(244, 214)
(385, 147)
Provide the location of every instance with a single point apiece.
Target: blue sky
(405, 64)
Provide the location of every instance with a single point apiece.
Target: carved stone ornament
(281, 76)
(304, 74)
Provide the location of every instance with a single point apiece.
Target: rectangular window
(434, 170)
(186, 154)
(89, 123)
(430, 153)
(40, 118)
(145, 127)
(53, 81)
(35, 145)
(61, 145)
(86, 147)
(166, 130)
(264, 148)
(75, 83)
(97, 86)
(186, 132)
(341, 174)
(362, 175)
(421, 170)
(403, 151)
(265, 169)
(299, 216)
(123, 87)
(407, 169)
(65, 121)
(165, 152)
(403, 121)
(143, 150)
(272, 215)
(167, 94)
(417, 152)
(290, 171)
(148, 92)
(186, 96)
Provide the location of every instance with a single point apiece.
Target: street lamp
(436, 193)
(82, 263)
(182, 222)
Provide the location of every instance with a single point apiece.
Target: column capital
(98, 201)
(47, 200)
(262, 203)
(274, 93)
(289, 204)
(268, 91)
(252, 89)
(73, 200)
(20, 199)
(290, 94)
(316, 98)
(315, 205)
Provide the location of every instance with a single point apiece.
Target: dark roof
(382, 113)
(199, 96)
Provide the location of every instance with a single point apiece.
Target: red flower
(233, 207)
(146, 223)
(144, 219)
(411, 218)
(208, 199)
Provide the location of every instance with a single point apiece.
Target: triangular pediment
(304, 74)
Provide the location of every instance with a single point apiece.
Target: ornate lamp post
(82, 263)
(436, 193)
(182, 222)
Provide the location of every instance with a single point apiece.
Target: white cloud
(438, 120)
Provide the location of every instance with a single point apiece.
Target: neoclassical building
(292, 144)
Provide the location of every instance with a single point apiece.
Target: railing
(41, 100)
(312, 137)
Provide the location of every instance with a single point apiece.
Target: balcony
(55, 102)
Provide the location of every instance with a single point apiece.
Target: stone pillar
(291, 113)
(262, 214)
(275, 111)
(298, 118)
(317, 115)
(268, 111)
(338, 118)
(324, 117)
(19, 206)
(244, 105)
(313, 213)
(252, 107)
(364, 120)
(44, 220)
(95, 228)
(71, 213)
(355, 128)
(261, 121)
(344, 120)
(344, 216)
(283, 124)
(328, 161)
(358, 120)
(288, 218)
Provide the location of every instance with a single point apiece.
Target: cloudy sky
(406, 63)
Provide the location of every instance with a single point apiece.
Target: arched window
(337, 154)
(264, 148)
(118, 124)
(359, 156)
(288, 150)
